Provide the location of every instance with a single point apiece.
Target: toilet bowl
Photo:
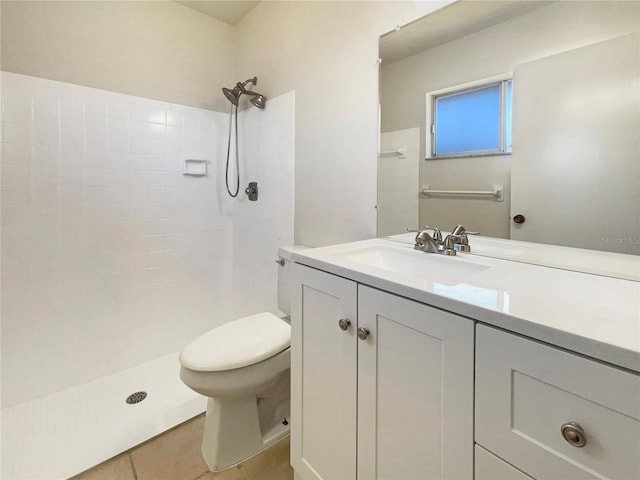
(243, 369)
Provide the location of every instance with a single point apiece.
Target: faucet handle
(437, 235)
(460, 230)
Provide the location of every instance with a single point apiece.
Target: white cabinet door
(415, 390)
(323, 376)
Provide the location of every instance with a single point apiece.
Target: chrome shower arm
(241, 86)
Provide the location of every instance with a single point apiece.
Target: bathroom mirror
(572, 177)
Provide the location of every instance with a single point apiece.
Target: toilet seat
(238, 344)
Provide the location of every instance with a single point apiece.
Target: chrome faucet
(427, 242)
(457, 241)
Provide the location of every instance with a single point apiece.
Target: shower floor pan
(66, 433)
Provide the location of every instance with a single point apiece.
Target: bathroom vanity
(410, 365)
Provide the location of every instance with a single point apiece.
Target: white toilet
(243, 367)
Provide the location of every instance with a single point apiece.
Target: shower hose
(233, 113)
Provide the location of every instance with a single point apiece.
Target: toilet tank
(285, 277)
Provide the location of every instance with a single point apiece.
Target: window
(473, 121)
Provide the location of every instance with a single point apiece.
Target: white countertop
(595, 315)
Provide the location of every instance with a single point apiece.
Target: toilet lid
(237, 344)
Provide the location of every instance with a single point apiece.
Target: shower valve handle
(252, 191)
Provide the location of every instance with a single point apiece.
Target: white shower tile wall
(110, 256)
(259, 228)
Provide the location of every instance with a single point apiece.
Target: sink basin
(424, 266)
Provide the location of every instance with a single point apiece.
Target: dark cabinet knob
(519, 218)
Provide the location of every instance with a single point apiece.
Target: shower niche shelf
(195, 168)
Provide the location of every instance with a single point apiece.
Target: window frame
(431, 97)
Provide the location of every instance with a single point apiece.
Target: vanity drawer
(525, 393)
(490, 467)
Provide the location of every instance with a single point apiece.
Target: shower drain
(136, 397)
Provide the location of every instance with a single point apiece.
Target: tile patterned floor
(175, 455)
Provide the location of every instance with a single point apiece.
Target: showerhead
(258, 100)
(233, 95)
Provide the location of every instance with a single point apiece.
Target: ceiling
(230, 12)
(454, 21)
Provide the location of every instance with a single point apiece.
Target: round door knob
(344, 323)
(363, 333)
(574, 434)
(519, 218)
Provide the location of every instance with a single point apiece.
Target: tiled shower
(113, 260)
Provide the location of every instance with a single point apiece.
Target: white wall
(153, 49)
(260, 227)
(327, 52)
(110, 256)
(550, 29)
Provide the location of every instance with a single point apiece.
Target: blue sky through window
(470, 121)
